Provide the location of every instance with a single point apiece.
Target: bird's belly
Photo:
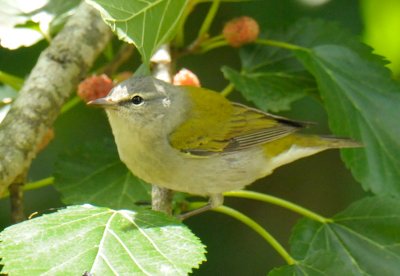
(223, 173)
(197, 175)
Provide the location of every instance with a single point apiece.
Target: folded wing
(216, 126)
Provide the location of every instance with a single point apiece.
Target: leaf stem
(280, 44)
(214, 39)
(259, 229)
(210, 46)
(227, 90)
(209, 19)
(202, 37)
(34, 185)
(70, 104)
(279, 202)
(180, 35)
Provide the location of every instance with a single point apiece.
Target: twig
(33, 185)
(17, 199)
(161, 199)
(59, 69)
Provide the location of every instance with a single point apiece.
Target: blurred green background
(320, 182)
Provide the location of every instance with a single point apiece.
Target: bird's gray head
(143, 101)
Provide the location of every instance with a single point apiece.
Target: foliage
(311, 58)
(147, 24)
(278, 73)
(100, 240)
(24, 23)
(79, 173)
(361, 239)
(351, 87)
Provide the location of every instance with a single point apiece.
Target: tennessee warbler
(194, 140)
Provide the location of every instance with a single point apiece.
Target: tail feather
(339, 142)
(314, 143)
(296, 146)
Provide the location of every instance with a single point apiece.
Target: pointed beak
(102, 102)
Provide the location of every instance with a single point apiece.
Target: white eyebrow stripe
(120, 94)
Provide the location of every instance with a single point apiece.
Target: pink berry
(186, 77)
(241, 30)
(95, 87)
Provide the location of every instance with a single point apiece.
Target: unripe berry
(95, 87)
(241, 30)
(186, 77)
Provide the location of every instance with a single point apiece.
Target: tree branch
(17, 198)
(59, 69)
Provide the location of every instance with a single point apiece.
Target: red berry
(186, 77)
(95, 87)
(241, 30)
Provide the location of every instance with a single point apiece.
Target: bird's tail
(337, 142)
(296, 146)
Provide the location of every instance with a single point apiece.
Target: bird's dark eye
(137, 100)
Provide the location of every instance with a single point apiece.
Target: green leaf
(272, 78)
(381, 22)
(94, 174)
(101, 241)
(309, 33)
(142, 70)
(320, 263)
(13, 81)
(362, 102)
(26, 22)
(273, 91)
(146, 24)
(365, 238)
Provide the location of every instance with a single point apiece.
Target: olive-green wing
(257, 127)
(216, 125)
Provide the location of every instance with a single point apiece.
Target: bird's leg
(214, 201)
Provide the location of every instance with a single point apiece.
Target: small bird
(194, 140)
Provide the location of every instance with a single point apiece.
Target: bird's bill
(102, 102)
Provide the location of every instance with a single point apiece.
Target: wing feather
(218, 126)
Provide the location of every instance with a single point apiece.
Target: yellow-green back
(216, 125)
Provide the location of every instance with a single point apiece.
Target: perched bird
(194, 140)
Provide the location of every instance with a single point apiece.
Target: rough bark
(58, 71)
